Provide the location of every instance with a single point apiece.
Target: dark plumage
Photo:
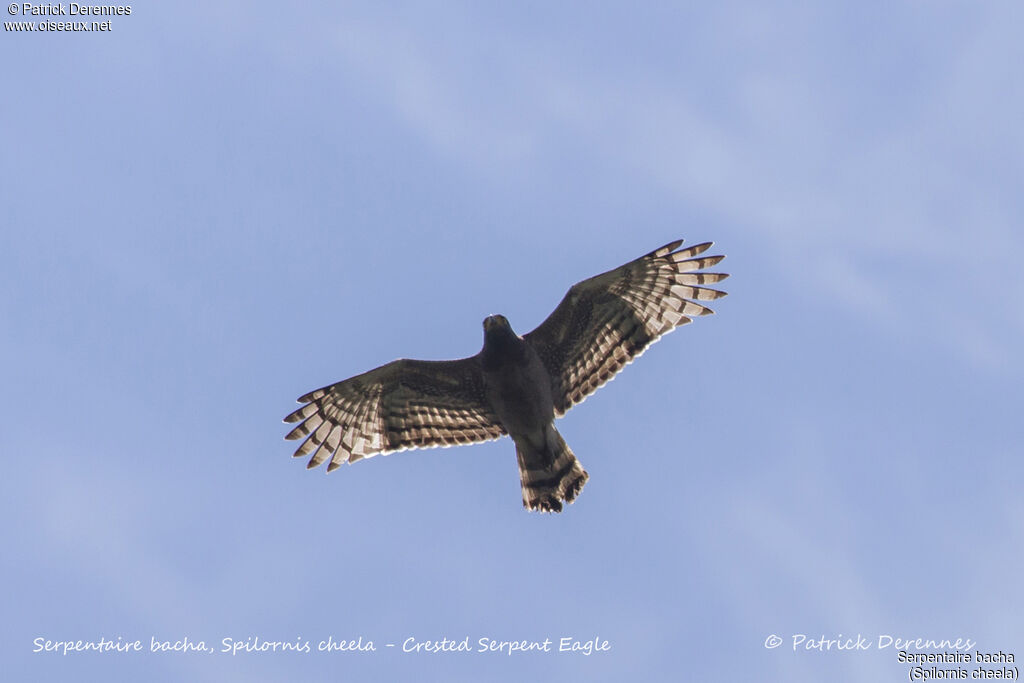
(515, 385)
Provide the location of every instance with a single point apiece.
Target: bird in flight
(516, 385)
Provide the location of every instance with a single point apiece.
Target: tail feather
(550, 477)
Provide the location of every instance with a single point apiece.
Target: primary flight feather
(516, 385)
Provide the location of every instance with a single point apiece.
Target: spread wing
(605, 322)
(404, 404)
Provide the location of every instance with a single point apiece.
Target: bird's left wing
(605, 322)
(404, 404)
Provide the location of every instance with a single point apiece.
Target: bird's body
(516, 385)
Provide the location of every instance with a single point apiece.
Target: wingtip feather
(666, 250)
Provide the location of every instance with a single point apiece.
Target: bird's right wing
(404, 404)
(605, 322)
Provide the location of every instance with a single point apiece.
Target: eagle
(517, 384)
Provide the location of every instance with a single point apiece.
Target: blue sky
(212, 209)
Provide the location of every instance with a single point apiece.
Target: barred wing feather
(404, 404)
(603, 323)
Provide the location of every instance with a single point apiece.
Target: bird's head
(499, 340)
(493, 323)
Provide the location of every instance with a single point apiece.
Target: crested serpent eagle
(516, 385)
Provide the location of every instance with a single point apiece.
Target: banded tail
(551, 475)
